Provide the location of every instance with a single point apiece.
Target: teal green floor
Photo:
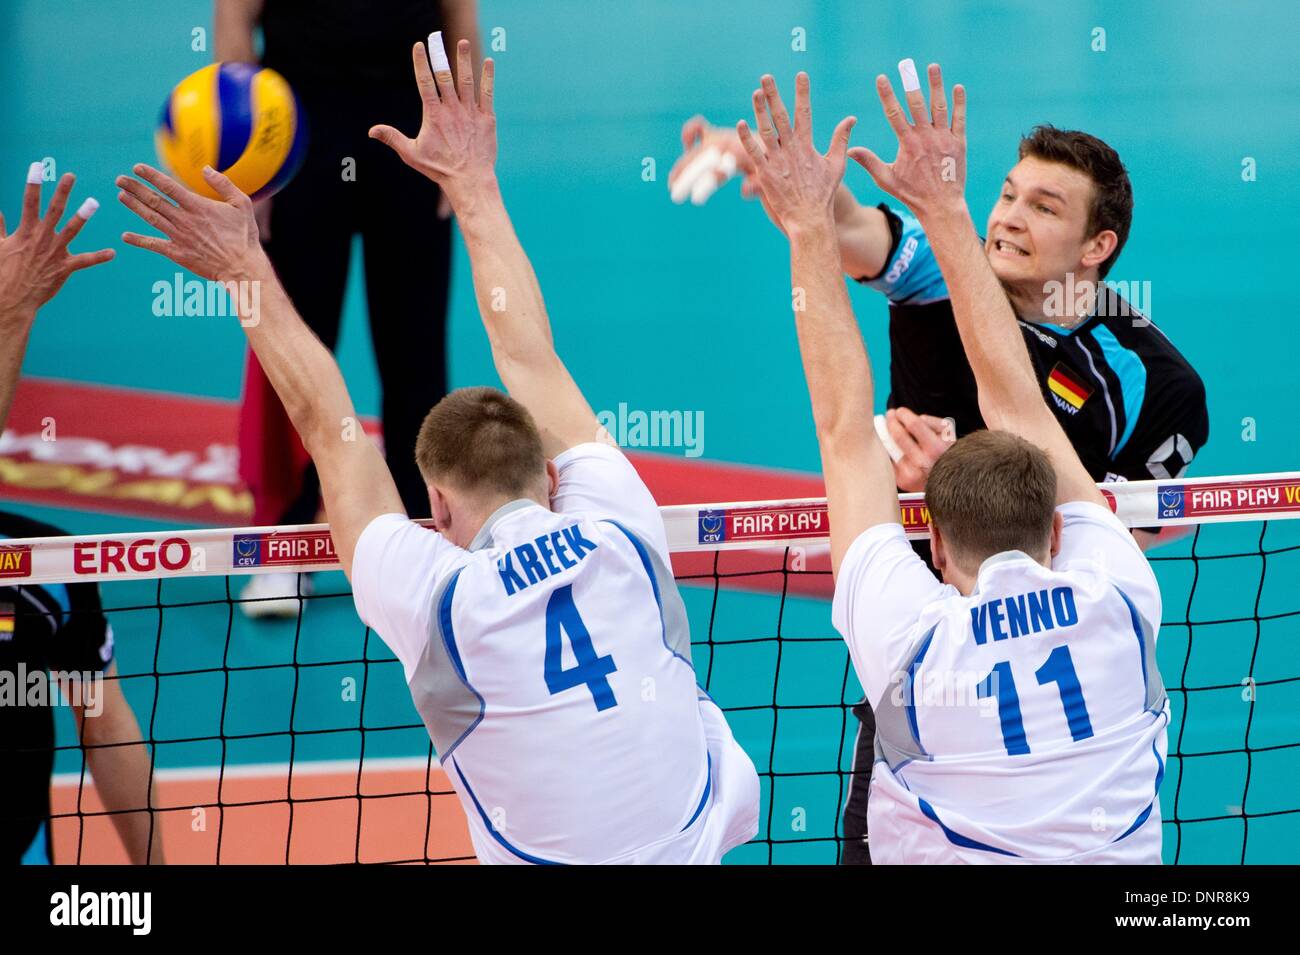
(667, 307)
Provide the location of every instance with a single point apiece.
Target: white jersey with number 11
(1022, 723)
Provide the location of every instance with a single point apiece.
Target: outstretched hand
(457, 143)
(710, 156)
(929, 172)
(214, 238)
(796, 183)
(34, 259)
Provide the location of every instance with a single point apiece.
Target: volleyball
(242, 120)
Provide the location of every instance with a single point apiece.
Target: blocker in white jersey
(551, 663)
(1022, 723)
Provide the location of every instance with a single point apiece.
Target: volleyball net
(296, 741)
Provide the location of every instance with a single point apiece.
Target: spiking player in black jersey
(56, 627)
(1130, 403)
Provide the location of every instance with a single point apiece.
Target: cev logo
(1171, 501)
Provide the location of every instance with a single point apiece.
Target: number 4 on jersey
(592, 670)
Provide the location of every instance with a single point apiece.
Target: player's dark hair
(1112, 194)
(990, 492)
(481, 440)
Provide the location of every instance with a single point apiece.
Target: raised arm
(217, 239)
(929, 177)
(34, 264)
(457, 148)
(233, 23)
(798, 185)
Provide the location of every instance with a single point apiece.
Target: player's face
(1035, 232)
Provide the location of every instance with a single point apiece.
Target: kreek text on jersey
(541, 557)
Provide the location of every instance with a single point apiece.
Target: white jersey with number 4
(1022, 723)
(551, 664)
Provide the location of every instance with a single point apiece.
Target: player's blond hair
(991, 492)
(481, 440)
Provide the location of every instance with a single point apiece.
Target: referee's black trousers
(352, 185)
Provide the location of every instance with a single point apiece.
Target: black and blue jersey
(43, 628)
(1131, 405)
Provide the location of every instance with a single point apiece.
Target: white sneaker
(274, 595)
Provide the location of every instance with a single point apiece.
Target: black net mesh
(296, 741)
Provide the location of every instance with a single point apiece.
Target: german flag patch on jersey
(6, 621)
(1068, 387)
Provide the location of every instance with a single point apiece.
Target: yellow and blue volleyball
(242, 120)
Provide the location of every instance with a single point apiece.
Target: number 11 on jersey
(1058, 669)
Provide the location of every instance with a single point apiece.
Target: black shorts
(856, 850)
(25, 840)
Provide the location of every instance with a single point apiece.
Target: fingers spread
(465, 72)
(751, 146)
(441, 68)
(763, 120)
(485, 86)
(152, 243)
(693, 130)
(912, 92)
(144, 211)
(938, 100)
(840, 142)
(69, 232)
(392, 139)
(86, 259)
(873, 164)
(802, 108)
(32, 196)
(165, 184)
(59, 201)
(145, 195)
(424, 76)
(889, 102)
(777, 108)
(226, 189)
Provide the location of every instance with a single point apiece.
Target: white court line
(276, 770)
